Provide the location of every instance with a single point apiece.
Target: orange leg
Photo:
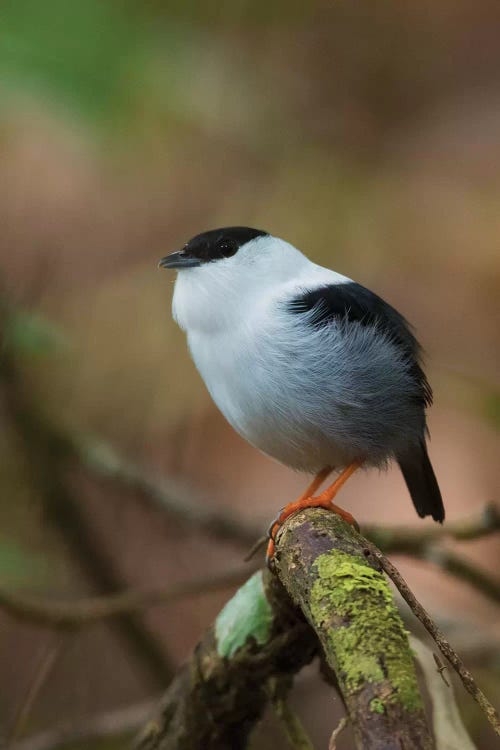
(308, 492)
(324, 500)
(316, 483)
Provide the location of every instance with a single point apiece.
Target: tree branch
(292, 725)
(169, 495)
(323, 565)
(425, 544)
(174, 498)
(413, 540)
(466, 571)
(449, 731)
(258, 637)
(179, 500)
(74, 615)
(48, 454)
(221, 693)
(444, 646)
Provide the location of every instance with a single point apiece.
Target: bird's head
(213, 247)
(225, 267)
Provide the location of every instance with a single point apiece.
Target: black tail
(422, 483)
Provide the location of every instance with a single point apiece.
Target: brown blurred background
(366, 134)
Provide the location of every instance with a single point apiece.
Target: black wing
(355, 303)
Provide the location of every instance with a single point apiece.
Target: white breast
(238, 334)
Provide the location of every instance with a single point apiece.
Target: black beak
(179, 259)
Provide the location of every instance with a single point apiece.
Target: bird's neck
(207, 301)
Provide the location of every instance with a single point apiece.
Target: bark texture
(330, 573)
(220, 694)
(328, 595)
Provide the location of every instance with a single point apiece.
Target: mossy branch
(219, 695)
(261, 638)
(442, 643)
(322, 562)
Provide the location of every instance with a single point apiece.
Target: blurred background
(366, 134)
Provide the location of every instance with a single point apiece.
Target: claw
(271, 565)
(274, 522)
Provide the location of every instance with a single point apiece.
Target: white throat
(224, 292)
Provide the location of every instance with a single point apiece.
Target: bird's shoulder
(327, 302)
(349, 302)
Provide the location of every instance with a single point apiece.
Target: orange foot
(307, 500)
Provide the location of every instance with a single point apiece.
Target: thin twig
(292, 725)
(43, 669)
(48, 456)
(332, 745)
(466, 571)
(57, 614)
(169, 495)
(259, 544)
(178, 499)
(440, 669)
(449, 730)
(444, 646)
(412, 540)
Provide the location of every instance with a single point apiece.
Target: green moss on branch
(328, 570)
(372, 646)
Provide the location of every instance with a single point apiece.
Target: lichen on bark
(330, 573)
(371, 645)
(326, 570)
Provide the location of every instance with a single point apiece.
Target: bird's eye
(227, 248)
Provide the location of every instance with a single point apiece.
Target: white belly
(255, 398)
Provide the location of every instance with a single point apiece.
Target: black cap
(210, 246)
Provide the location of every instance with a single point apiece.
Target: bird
(310, 367)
